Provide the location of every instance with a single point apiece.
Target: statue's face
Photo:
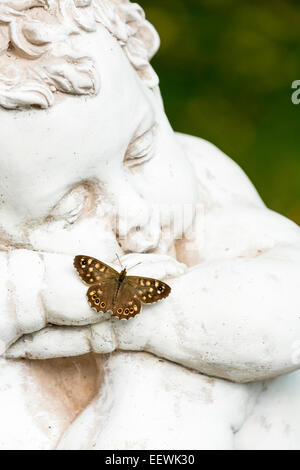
(67, 171)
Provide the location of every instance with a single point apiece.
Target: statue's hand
(21, 307)
(37, 289)
(61, 297)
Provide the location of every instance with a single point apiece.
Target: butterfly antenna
(131, 267)
(119, 261)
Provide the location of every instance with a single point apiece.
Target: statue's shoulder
(216, 172)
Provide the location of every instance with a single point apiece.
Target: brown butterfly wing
(92, 271)
(126, 305)
(148, 290)
(101, 296)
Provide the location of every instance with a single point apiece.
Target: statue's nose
(136, 226)
(132, 218)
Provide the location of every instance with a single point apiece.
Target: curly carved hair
(38, 60)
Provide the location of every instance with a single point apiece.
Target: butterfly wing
(102, 279)
(92, 271)
(148, 290)
(101, 296)
(126, 304)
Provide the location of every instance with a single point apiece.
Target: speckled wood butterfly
(116, 292)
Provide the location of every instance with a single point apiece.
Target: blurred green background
(226, 68)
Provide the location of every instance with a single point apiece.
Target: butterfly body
(122, 276)
(116, 292)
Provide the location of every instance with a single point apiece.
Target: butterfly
(116, 292)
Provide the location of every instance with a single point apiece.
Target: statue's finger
(63, 341)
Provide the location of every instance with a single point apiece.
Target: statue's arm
(249, 276)
(234, 318)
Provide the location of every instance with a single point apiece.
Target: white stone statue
(90, 165)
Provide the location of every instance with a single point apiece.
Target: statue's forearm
(238, 319)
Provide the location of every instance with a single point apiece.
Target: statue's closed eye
(73, 204)
(141, 148)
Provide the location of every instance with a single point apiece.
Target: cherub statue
(90, 165)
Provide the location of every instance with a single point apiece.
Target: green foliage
(226, 68)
